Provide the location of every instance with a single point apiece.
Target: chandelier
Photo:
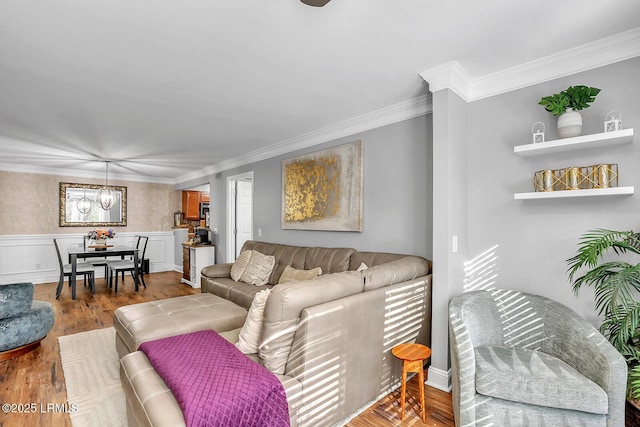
(84, 204)
(106, 196)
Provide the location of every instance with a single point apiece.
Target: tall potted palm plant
(616, 283)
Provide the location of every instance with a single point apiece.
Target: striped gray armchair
(524, 360)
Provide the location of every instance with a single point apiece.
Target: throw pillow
(240, 265)
(362, 267)
(290, 274)
(250, 332)
(259, 269)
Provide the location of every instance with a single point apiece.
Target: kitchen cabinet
(186, 269)
(179, 237)
(191, 205)
(195, 258)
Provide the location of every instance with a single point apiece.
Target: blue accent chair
(23, 321)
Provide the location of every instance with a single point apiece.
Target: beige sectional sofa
(328, 340)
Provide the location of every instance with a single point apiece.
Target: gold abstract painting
(323, 190)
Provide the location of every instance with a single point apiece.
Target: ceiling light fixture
(315, 3)
(106, 196)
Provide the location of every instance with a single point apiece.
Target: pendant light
(106, 196)
(315, 3)
(84, 204)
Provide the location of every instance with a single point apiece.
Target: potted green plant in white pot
(567, 105)
(616, 284)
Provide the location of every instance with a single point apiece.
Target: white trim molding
(603, 52)
(32, 258)
(439, 379)
(401, 111)
(449, 76)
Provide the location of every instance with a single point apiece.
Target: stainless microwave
(204, 209)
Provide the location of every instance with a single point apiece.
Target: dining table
(101, 251)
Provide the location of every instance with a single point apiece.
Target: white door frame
(231, 211)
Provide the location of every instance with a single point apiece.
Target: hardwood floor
(37, 379)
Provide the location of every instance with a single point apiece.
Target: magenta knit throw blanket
(215, 384)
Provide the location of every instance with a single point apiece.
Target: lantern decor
(613, 121)
(604, 176)
(576, 178)
(546, 180)
(537, 132)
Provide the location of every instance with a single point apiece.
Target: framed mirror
(79, 209)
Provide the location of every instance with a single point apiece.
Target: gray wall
(515, 244)
(535, 237)
(397, 194)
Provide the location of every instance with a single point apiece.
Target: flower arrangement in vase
(101, 236)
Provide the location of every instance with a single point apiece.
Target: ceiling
(164, 89)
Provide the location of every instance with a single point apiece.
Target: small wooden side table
(412, 356)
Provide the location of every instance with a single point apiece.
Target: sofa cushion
(284, 254)
(331, 260)
(536, 378)
(259, 269)
(250, 332)
(291, 274)
(243, 295)
(239, 293)
(390, 273)
(217, 270)
(285, 303)
(221, 286)
(372, 258)
(238, 267)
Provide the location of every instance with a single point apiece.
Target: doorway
(239, 213)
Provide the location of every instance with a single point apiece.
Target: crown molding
(401, 111)
(603, 52)
(449, 76)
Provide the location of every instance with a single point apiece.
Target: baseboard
(439, 379)
(50, 276)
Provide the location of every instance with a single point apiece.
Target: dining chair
(122, 266)
(82, 268)
(128, 258)
(100, 262)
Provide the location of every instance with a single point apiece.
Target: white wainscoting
(32, 258)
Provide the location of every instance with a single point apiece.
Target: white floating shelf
(615, 191)
(624, 136)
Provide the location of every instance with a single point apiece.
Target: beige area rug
(91, 374)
